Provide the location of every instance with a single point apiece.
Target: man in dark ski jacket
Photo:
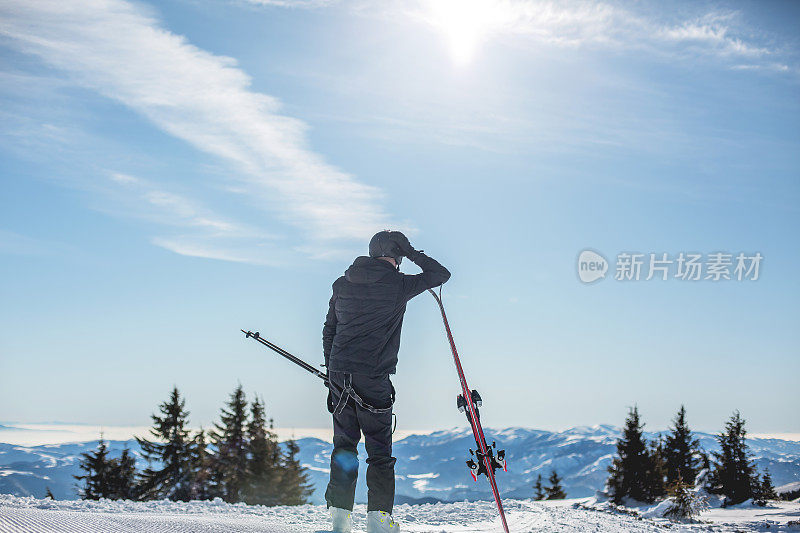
(360, 340)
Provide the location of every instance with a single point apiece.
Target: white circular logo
(591, 266)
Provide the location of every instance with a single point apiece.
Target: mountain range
(430, 467)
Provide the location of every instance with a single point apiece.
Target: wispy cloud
(121, 51)
(298, 4)
(598, 25)
(593, 38)
(189, 228)
(572, 24)
(713, 33)
(173, 209)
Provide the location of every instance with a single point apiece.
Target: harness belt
(348, 392)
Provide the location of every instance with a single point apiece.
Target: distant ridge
(430, 467)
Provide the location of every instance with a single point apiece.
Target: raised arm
(433, 274)
(329, 329)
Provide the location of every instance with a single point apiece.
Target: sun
(464, 23)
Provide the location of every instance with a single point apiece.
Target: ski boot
(342, 520)
(381, 522)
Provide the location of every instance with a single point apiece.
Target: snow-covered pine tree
(97, 472)
(230, 441)
(681, 452)
(686, 504)
(629, 470)
(264, 471)
(704, 477)
(294, 486)
(733, 473)
(171, 453)
(540, 494)
(555, 491)
(123, 477)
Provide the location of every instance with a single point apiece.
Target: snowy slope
(45, 516)
(30, 470)
(789, 491)
(429, 466)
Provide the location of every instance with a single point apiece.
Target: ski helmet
(383, 244)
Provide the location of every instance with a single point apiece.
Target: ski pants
(377, 429)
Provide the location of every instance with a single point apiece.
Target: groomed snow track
(19, 514)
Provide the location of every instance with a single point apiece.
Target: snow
(789, 487)
(421, 480)
(587, 515)
(5, 472)
(775, 516)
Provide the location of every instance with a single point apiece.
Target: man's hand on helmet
(404, 245)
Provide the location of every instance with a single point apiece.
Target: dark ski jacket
(362, 329)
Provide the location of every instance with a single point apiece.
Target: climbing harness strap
(348, 392)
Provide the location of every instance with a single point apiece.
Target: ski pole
(348, 390)
(283, 353)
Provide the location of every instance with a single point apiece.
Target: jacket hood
(367, 270)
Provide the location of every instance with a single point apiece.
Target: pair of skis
(487, 459)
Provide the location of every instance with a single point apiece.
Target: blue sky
(174, 171)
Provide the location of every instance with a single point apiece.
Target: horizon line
(56, 433)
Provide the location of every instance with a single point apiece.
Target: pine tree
(733, 472)
(681, 452)
(230, 441)
(656, 471)
(200, 482)
(294, 486)
(686, 504)
(540, 493)
(767, 488)
(123, 477)
(629, 470)
(172, 451)
(97, 478)
(704, 476)
(764, 490)
(555, 491)
(264, 470)
(705, 461)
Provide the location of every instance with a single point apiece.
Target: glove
(403, 245)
